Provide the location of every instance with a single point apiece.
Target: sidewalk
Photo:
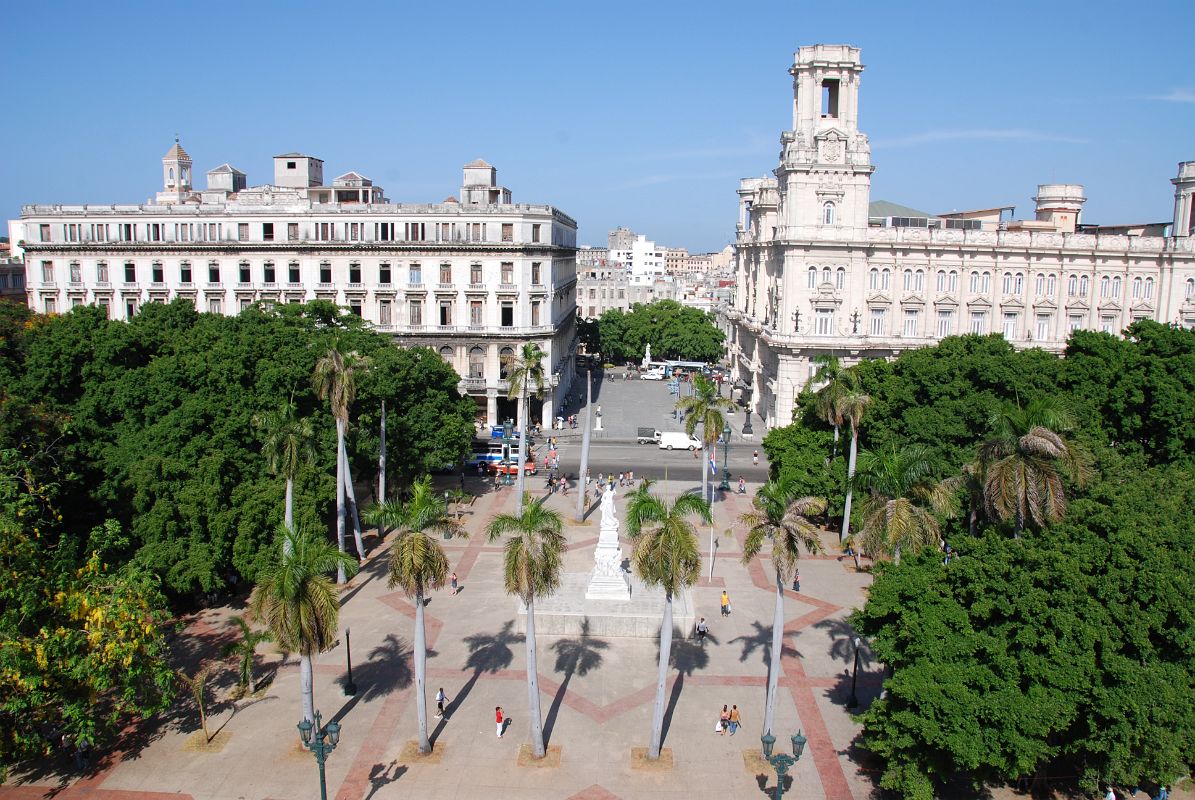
(595, 712)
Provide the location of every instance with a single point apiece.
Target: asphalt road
(649, 461)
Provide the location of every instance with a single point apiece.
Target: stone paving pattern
(595, 715)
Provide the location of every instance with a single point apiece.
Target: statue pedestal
(608, 581)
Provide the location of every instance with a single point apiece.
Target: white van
(676, 440)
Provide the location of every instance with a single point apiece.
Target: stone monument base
(567, 609)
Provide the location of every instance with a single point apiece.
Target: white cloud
(1176, 96)
(976, 134)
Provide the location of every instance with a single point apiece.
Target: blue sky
(641, 114)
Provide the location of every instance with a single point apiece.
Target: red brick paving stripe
(825, 757)
(594, 792)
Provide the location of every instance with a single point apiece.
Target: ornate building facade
(473, 277)
(821, 270)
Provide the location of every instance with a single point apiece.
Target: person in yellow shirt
(725, 604)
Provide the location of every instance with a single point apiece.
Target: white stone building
(473, 278)
(822, 270)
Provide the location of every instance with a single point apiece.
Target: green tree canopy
(673, 331)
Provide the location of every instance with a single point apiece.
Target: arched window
(985, 284)
(1083, 284)
(974, 284)
(476, 362)
(170, 174)
(1039, 284)
(1116, 286)
(505, 356)
(1105, 286)
(446, 353)
(1051, 284)
(840, 278)
(919, 284)
(1006, 283)
(827, 213)
(1072, 285)
(825, 274)
(1136, 288)
(873, 278)
(941, 284)
(886, 279)
(1018, 283)
(1190, 290)
(952, 284)
(1149, 288)
(908, 280)
(812, 277)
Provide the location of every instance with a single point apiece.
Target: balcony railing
(325, 287)
(477, 287)
(508, 287)
(445, 287)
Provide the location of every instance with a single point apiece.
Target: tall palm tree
(835, 381)
(531, 569)
(780, 515)
(288, 442)
(903, 496)
(335, 379)
(418, 564)
(297, 601)
(665, 554)
(245, 649)
(851, 408)
(704, 407)
(525, 374)
(1026, 460)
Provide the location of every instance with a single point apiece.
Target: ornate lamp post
(780, 762)
(321, 741)
(796, 322)
(725, 484)
(747, 431)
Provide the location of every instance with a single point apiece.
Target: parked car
(511, 467)
(677, 440)
(654, 374)
(647, 435)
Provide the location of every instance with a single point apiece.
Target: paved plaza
(596, 695)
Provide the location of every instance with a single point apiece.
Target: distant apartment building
(600, 290)
(12, 280)
(472, 277)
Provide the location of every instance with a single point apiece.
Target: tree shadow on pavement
(760, 639)
(577, 656)
(488, 653)
(842, 648)
(383, 775)
(686, 657)
(388, 668)
(373, 569)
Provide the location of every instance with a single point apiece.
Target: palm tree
(778, 514)
(836, 381)
(851, 407)
(903, 495)
(525, 374)
(335, 379)
(1025, 461)
(417, 564)
(704, 407)
(245, 649)
(297, 601)
(665, 554)
(288, 442)
(531, 569)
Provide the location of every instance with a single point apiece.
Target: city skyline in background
(637, 116)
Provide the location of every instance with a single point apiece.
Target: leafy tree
(1068, 651)
(297, 601)
(665, 554)
(797, 453)
(418, 564)
(780, 515)
(1024, 462)
(197, 685)
(531, 568)
(525, 374)
(245, 650)
(851, 407)
(903, 495)
(287, 442)
(704, 407)
(674, 331)
(836, 382)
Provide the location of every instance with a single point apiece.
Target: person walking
(742, 486)
(455, 588)
(563, 485)
(703, 628)
(498, 719)
(441, 699)
(797, 581)
(723, 721)
(735, 719)
(755, 458)
(725, 604)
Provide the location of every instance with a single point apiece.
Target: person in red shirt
(498, 719)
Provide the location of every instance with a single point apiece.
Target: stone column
(491, 407)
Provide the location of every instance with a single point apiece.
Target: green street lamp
(725, 485)
(781, 762)
(321, 741)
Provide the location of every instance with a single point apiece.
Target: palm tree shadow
(761, 639)
(388, 668)
(489, 653)
(573, 656)
(380, 775)
(842, 648)
(373, 569)
(686, 657)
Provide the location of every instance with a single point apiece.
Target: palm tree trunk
(972, 521)
(305, 687)
(1020, 525)
(524, 410)
(777, 649)
(382, 457)
(850, 489)
(834, 452)
(352, 497)
(252, 679)
(425, 746)
(339, 497)
(582, 487)
(705, 474)
(705, 469)
(537, 727)
(289, 515)
(657, 714)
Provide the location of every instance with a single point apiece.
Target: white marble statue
(608, 581)
(647, 356)
(608, 518)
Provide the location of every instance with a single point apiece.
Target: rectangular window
(101, 272)
(213, 272)
(592, 312)
(535, 273)
(244, 303)
(1010, 324)
(416, 275)
(267, 273)
(823, 322)
(157, 274)
(130, 272)
(877, 322)
(384, 274)
(535, 233)
(43, 233)
(184, 272)
(446, 274)
(243, 231)
(130, 309)
(243, 274)
(508, 315)
(292, 272)
(508, 232)
(76, 302)
(416, 307)
(1073, 322)
(76, 273)
(535, 313)
(355, 308)
(51, 305)
(1043, 327)
(267, 231)
(945, 323)
(384, 312)
(214, 306)
(1108, 324)
(354, 272)
(354, 231)
(476, 313)
(47, 272)
(292, 231)
(104, 306)
(155, 232)
(911, 317)
(979, 322)
(445, 312)
(475, 274)
(508, 272)
(325, 272)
